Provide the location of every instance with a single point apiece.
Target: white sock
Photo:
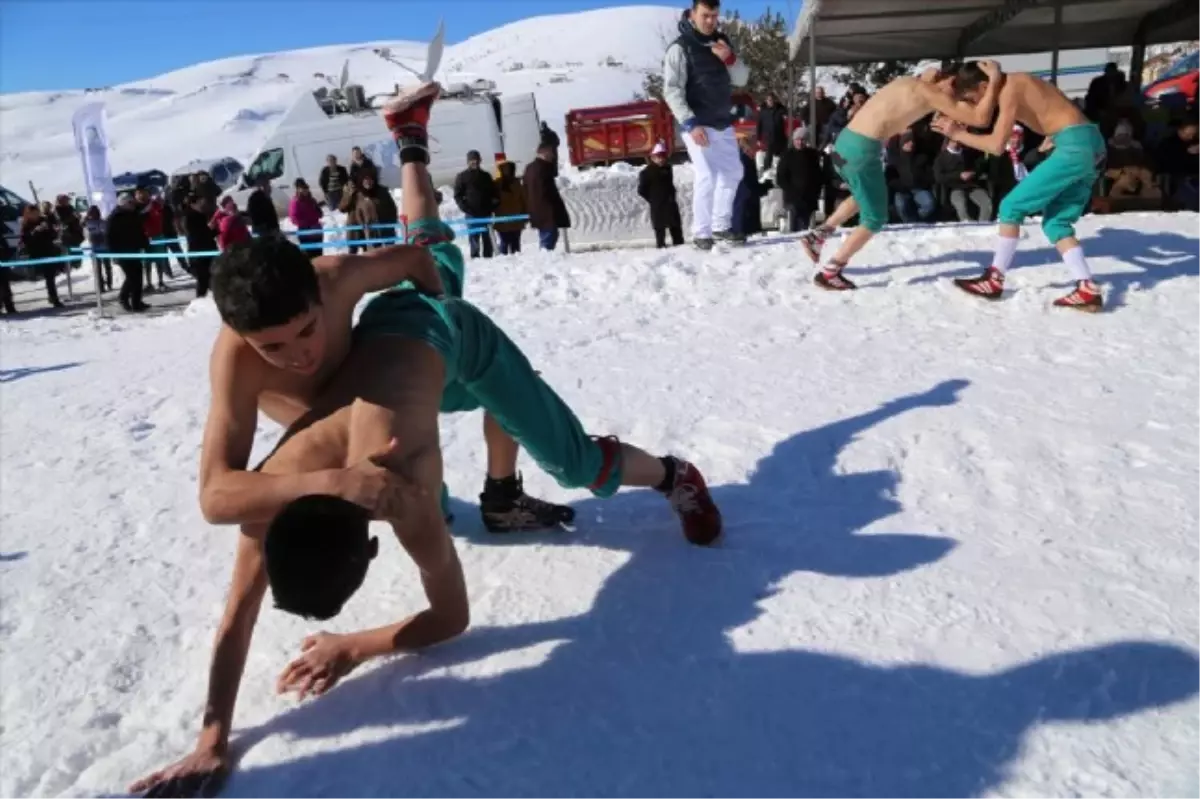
(1077, 264)
(1006, 248)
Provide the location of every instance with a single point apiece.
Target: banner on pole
(91, 140)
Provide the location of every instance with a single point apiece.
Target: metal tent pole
(1057, 37)
(812, 80)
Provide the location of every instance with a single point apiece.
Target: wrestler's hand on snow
(327, 658)
(199, 774)
(372, 485)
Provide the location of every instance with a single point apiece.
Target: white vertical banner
(91, 140)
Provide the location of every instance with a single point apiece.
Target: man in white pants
(700, 70)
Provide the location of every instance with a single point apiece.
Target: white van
(323, 123)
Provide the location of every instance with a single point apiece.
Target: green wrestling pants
(1061, 186)
(859, 161)
(485, 369)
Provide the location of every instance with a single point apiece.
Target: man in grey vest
(700, 70)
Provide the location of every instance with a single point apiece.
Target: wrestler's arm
(960, 111)
(976, 116)
(995, 140)
(381, 269)
(402, 402)
(229, 493)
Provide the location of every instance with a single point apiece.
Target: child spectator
(656, 185)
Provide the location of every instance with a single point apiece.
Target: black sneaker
(705, 244)
(506, 508)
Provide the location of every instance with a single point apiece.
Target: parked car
(153, 180)
(1180, 78)
(223, 171)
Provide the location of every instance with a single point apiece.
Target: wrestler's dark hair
(262, 283)
(714, 4)
(967, 76)
(317, 554)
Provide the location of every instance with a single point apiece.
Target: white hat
(659, 149)
(924, 65)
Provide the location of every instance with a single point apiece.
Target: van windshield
(10, 199)
(269, 164)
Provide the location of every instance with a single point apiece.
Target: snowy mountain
(228, 107)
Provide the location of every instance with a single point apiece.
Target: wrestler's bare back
(1038, 105)
(892, 110)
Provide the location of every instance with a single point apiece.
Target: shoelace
(683, 499)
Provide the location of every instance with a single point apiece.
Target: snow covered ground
(961, 551)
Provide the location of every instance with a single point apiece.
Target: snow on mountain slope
(228, 107)
(960, 554)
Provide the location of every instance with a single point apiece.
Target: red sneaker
(1086, 297)
(693, 504)
(813, 241)
(407, 117)
(989, 285)
(833, 280)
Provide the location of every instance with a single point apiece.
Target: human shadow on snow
(645, 695)
(20, 373)
(1154, 257)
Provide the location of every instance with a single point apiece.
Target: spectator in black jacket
(264, 219)
(333, 181)
(200, 238)
(547, 211)
(475, 194)
(6, 256)
(548, 137)
(126, 235)
(771, 129)
(39, 239)
(358, 164)
(1175, 159)
(69, 224)
(825, 108)
(955, 171)
(656, 185)
(204, 186)
(172, 229)
(912, 181)
(800, 177)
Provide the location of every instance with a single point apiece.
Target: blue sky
(66, 44)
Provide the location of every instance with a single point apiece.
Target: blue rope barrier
(153, 256)
(473, 224)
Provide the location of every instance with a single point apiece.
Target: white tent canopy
(852, 31)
